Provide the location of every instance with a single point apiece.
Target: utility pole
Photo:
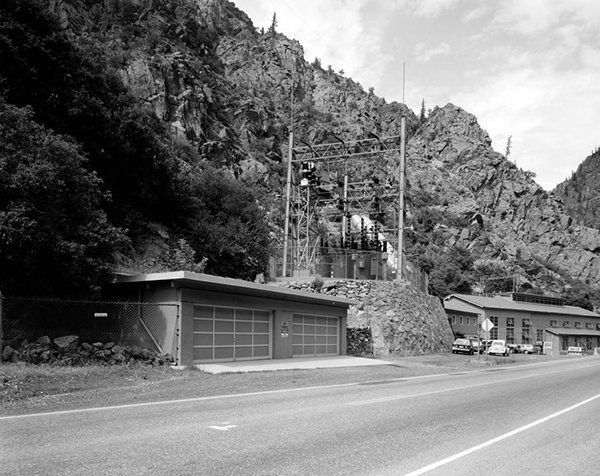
(400, 257)
(286, 226)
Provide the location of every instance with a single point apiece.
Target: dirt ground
(41, 388)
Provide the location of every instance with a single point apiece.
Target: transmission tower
(346, 183)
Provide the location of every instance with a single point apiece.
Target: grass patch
(22, 381)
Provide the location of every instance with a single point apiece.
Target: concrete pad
(299, 363)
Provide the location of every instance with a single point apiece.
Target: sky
(527, 69)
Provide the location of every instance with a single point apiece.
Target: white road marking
(445, 390)
(222, 428)
(445, 461)
(238, 395)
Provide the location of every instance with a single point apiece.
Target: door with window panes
(226, 334)
(315, 335)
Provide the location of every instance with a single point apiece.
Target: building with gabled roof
(522, 318)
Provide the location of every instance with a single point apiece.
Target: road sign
(487, 325)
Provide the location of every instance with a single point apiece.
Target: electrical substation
(344, 210)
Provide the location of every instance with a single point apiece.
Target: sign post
(487, 326)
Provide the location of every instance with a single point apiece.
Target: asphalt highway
(539, 419)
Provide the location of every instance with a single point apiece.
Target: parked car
(486, 345)
(477, 346)
(498, 347)
(525, 349)
(576, 351)
(463, 346)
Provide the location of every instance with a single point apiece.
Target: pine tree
(273, 28)
(422, 116)
(508, 146)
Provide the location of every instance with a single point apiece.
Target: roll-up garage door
(315, 335)
(225, 334)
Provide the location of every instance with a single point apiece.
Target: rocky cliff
(581, 193)
(234, 93)
(506, 215)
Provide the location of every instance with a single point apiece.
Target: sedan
(463, 346)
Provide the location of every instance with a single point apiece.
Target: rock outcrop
(581, 193)
(509, 216)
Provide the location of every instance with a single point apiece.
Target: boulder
(66, 343)
(8, 353)
(45, 340)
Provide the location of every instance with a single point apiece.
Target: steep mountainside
(581, 193)
(504, 214)
(233, 93)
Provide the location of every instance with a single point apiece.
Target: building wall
(517, 333)
(464, 323)
(560, 343)
(161, 326)
(282, 320)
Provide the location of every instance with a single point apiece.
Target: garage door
(225, 334)
(315, 335)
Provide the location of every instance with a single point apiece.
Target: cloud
(432, 8)
(424, 54)
(547, 113)
(532, 17)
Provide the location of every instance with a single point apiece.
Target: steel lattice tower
(312, 196)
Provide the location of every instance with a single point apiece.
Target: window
(526, 322)
(578, 325)
(453, 319)
(494, 331)
(468, 321)
(589, 325)
(461, 320)
(553, 323)
(566, 324)
(510, 330)
(540, 335)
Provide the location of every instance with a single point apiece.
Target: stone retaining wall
(402, 320)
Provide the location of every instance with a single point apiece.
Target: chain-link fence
(356, 264)
(148, 325)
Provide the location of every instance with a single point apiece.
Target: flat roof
(505, 304)
(207, 282)
(572, 332)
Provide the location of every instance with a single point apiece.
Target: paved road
(539, 419)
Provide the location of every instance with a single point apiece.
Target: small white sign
(487, 325)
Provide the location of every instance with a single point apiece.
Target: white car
(498, 347)
(575, 351)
